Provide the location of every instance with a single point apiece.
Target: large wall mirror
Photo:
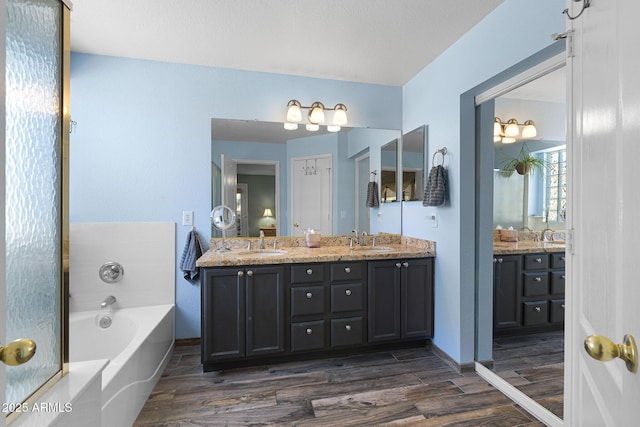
(283, 182)
(389, 170)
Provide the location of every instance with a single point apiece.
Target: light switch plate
(187, 218)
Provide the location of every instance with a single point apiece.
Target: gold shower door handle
(18, 352)
(603, 349)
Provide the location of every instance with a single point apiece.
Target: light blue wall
(141, 149)
(513, 32)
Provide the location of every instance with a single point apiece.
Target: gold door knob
(603, 349)
(18, 352)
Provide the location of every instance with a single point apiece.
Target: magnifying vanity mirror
(223, 218)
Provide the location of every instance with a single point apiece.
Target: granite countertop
(333, 248)
(526, 247)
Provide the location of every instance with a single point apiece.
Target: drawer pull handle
(309, 295)
(347, 269)
(250, 273)
(538, 260)
(348, 292)
(405, 264)
(309, 331)
(348, 327)
(538, 309)
(398, 265)
(538, 279)
(240, 273)
(309, 271)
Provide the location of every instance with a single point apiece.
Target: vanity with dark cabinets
(253, 314)
(528, 292)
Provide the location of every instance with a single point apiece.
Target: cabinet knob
(348, 292)
(538, 309)
(405, 264)
(250, 273)
(562, 257)
(347, 269)
(562, 277)
(240, 273)
(348, 327)
(398, 265)
(309, 271)
(562, 305)
(538, 279)
(500, 260)
(309, 331)
(495, 260)
(309, 295)
(538, 260)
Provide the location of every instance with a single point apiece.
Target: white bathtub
(138, 344)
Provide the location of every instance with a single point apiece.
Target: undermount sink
(372, 248)
(262, 253)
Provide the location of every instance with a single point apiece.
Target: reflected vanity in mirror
(269, 159)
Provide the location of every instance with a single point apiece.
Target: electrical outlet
(187, 218)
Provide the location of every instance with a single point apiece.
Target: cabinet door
(416, 292)
(507, 285)
(265, 310)
(223, 314)
(384, 300)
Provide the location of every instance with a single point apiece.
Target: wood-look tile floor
(408, 387)
(535, 365)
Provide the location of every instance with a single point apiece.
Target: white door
(229, 172)
(604, 211)
(242, 209)
(311, 183)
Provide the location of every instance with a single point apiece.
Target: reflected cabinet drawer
(535, 313)
(536, 262)
(557, 311)
(557, 282)
(346, 332)
(557, 260)
(307, 300)
(536, 284)
(307, 335)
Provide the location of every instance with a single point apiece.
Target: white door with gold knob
(604, 210)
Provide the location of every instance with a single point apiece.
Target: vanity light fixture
(507, 132)
(315, 117)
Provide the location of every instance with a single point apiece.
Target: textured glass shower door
(33, 189)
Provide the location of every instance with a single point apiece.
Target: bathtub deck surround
(128, 319)
(296, 302)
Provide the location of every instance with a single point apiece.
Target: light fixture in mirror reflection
(254, 144)
(508, 132)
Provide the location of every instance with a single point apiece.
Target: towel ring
(442, 151)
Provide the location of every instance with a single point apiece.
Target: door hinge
(571, 44)
(571, 239)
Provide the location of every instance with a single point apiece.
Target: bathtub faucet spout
(110, 300)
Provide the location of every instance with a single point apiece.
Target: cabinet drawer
(346, 297)
(536, 313)
(307, 335)
(307, 273)
(557, 282)
(557, 311)
(536, 262)
(536, 284)
(557, 260)
(346, 332)
(307, 300)
(346, 271)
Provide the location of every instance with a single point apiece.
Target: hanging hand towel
(373, 197)
(436, 192)
(192, 251)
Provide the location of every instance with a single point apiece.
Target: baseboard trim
(461, 368)
(187, 341)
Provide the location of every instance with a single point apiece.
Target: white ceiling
(370, 41)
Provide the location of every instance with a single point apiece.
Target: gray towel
(192, 251)
(436, 192)
(373, 197)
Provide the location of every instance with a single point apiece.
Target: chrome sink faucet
(261, 241)
(543, 234)
(354, 238)
(363, 242)
(110, 300)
